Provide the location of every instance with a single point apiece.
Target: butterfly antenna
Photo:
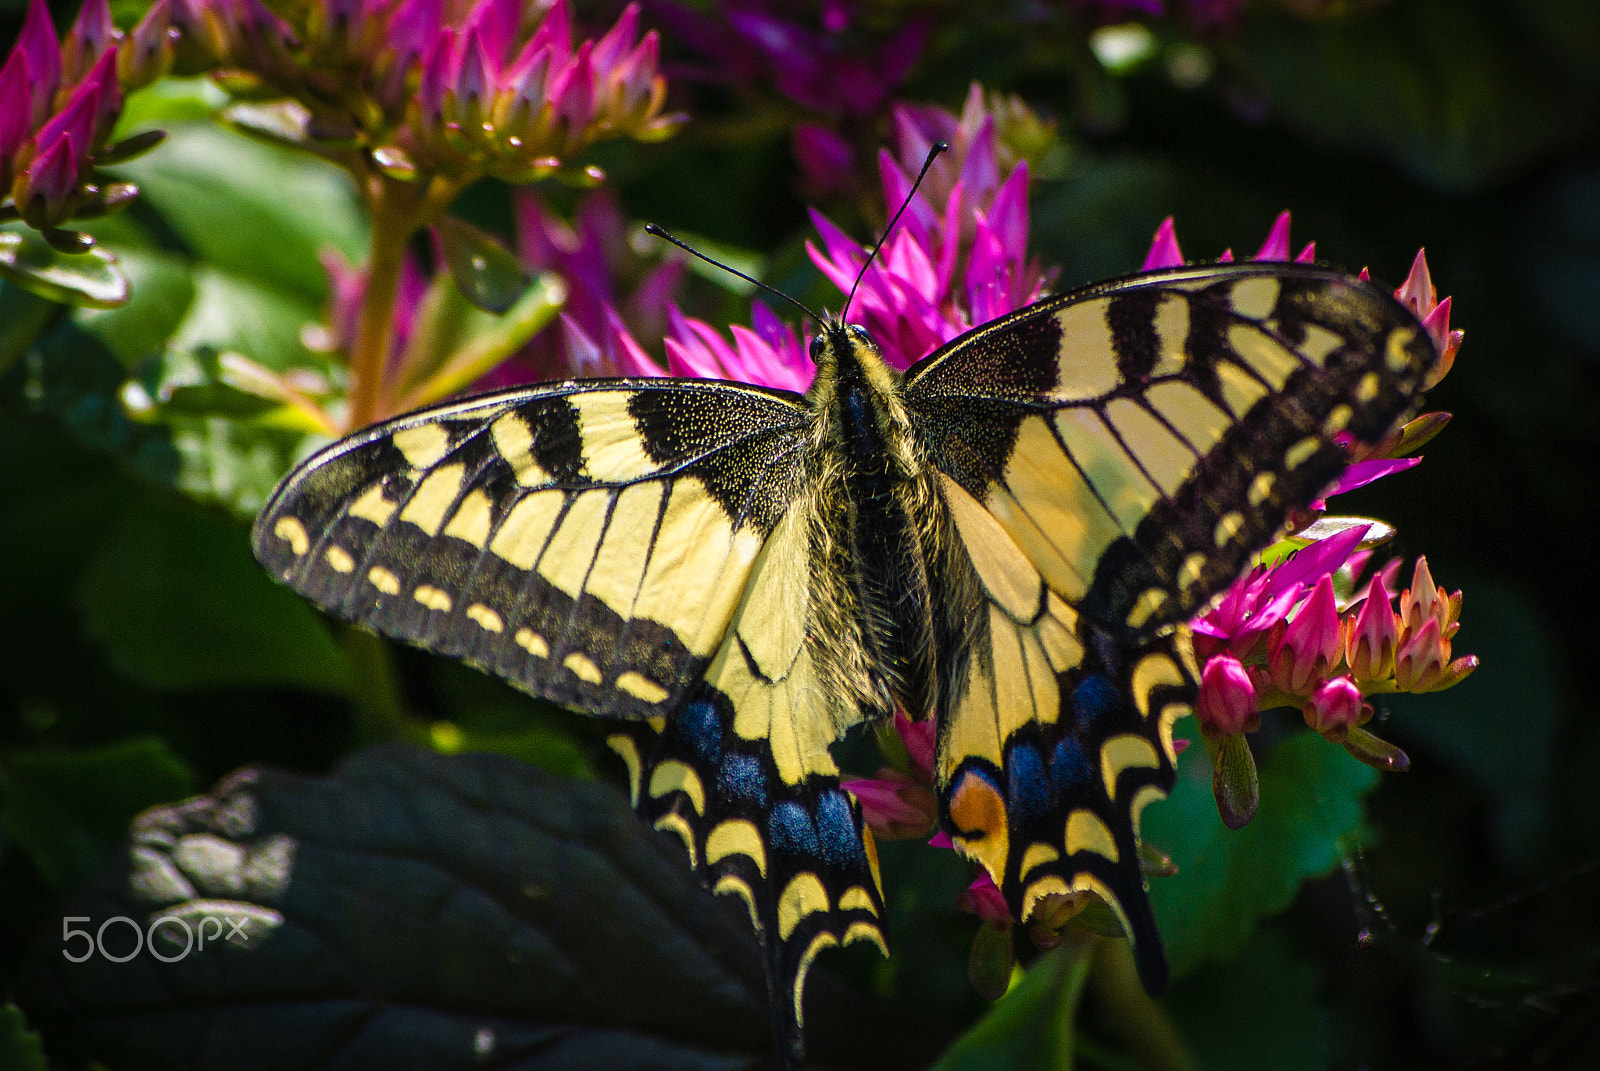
(933, 153)
(651, 228)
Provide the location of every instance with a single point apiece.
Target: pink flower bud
(41, 192)
(1421, 599)
(16, 115)
(1309, 648)
(1420, 662)
(983, 899)
(37, 42)
(146, 53)
(91, 35)
(1164, 251)
(894, 805)
(1227, 703)
(1373, 636)
(1334, 708)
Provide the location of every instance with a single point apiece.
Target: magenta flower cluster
(59, 101)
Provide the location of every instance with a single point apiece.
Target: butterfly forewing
(588, 542)
(1140, 439)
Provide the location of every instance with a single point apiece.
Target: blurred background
(143, 655)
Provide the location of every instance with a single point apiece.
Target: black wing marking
(587, 541)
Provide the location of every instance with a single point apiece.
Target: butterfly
(1008, 537)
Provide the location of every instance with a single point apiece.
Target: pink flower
(1227, 702)
(1335, 708)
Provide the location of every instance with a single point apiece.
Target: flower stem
(1138, 1021)
(369, 351)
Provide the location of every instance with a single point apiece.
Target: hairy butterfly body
(1008, 538)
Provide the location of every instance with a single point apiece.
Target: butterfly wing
(1111, 458)
(743, 775)
(588, 542)
(626, 548)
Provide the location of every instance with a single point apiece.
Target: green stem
(375, 691)
(369, 351)
(1140, 1023)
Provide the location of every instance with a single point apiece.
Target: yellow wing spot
(532, 642)
(1086, 365)
(1037, 855)
(432, 499)
(1301, 452)
(1143, 798)
(292, 532)
(1261, 487)
(1255, 298)
(384, 580)
(676, 823)
(1125, 751)
(1193, 568)
(1240, 390)
(423, 446)
(979, 815)
(523, 534)
(514, 439)
(472, 520)
(1087, 833)
(486, 618)
(1338, 419)
(818, 943)
(870, 844)
(625, 747)
(862, 930)
(1146, 606)
(433, 598)
(567, 560)
(1054, 629)
(1367, 389)
(372, 506)
(1153, 670)
(1007, 576)
(583, 667)
(1319, 343)
(737, 836)
(1170, 713)
(805, 895)
(612, 446)
(1049, 885)
(733, 883)
(340, 559)
(1228, 526)
(1396, 353)
(641, 687)
(672, 776)
(1172, 328)
(856, 898)
(1265, 355)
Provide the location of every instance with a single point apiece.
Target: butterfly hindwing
(588, 542)
(1110, 459)
(1140, 439)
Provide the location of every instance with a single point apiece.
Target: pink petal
(1364, 472)
(1276, 247)
(1164, 251)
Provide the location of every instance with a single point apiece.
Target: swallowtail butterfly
(1008, 538)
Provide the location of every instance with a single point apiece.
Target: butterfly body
(1008, 538)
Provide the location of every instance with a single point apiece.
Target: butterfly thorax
(874, 523)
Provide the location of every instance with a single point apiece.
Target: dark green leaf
(418, 911)
(1031, 1028)
(90, 278)
(20, 1049)
(162, 291)
(253, 210)
(233, 311)
(489, 275)
(23, 314)
(68, 809)
(177, 598)
(1310, 803)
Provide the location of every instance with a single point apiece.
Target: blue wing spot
(790, 830)
(836, 824)
(699, 725)
(1028, 792)
(1095, 700)
(1070, 769)
(741, 779)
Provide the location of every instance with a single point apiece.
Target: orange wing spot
(979, 813)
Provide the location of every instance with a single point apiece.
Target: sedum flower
(59, 102)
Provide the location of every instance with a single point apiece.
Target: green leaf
(489, 275)
(68, 808)
(232, 311)
(1258, 1012)
(162, 291)
(179, 602)
(1501, 726)
(23, 315)
(414, 910)
(255, 211)
(90, 278)
(1031, 1028)
(1310, 803)
(20, 1049)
